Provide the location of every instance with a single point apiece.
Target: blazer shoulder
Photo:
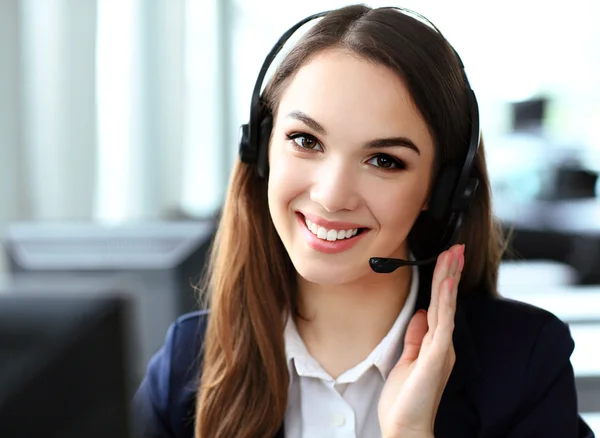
(187, 339)
(189, 328)
(164, 404)
(523, 353)
(503, 316)
(523, 332)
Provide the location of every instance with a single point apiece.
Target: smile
(330, 235)
(330, 240)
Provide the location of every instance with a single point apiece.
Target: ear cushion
(443, 191)
(247, 154)
(463, 200)
(264, 135)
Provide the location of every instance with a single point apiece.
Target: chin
(319, 272)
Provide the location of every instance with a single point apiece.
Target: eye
(305, 141)
(386, 162)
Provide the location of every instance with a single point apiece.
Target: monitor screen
(64, 369)
(529, 114)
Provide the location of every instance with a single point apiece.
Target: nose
(335, 188)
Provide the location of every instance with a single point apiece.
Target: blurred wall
(13, 193)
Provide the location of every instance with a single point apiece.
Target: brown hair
(251, 279)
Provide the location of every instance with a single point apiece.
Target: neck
(342, 324)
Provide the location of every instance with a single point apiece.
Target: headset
(454, 187)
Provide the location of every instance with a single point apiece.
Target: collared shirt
(346, 407)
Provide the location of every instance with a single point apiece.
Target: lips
(330, 225)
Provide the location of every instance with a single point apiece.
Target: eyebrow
(308, 121)
(373, 144)
(391, 142)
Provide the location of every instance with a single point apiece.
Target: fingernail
(461, 263)
(423, 311)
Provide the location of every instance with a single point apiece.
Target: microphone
(383, 265)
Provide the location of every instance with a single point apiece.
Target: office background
(122, 112)
(117, 110)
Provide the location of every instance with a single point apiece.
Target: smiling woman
(364, 143)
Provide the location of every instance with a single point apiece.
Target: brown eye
(386, 162)
(305, 141)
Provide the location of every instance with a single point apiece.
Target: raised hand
(412, 393)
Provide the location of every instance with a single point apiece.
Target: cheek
(399, 208)
(285, 180)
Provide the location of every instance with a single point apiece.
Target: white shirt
(346, 407)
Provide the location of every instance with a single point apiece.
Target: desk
(563, 231)
(581, 217)
(572, 304)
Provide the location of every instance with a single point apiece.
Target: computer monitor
(529, 115)
(158, 262)
(64, 366)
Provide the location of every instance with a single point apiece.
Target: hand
(410, 398)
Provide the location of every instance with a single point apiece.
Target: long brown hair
(251, 282)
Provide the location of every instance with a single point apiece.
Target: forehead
(345, 92)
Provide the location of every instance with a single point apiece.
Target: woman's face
(350, 167)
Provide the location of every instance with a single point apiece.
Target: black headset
(454, 187)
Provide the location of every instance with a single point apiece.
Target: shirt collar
(295, 349)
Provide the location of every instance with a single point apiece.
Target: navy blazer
(512, 377)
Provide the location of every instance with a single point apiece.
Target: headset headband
(249, 141)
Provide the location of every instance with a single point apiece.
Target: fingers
(444, 306)
(415, 332)
(447, 309)
(458, 273)
(448, 292)
(439, 274)
(438, 322)
(447, 302)
(447, 265)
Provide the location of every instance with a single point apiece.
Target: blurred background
(119, 123)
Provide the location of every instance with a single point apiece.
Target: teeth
(330, 235)
(322, 234)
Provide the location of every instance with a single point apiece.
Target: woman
(365, 143)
